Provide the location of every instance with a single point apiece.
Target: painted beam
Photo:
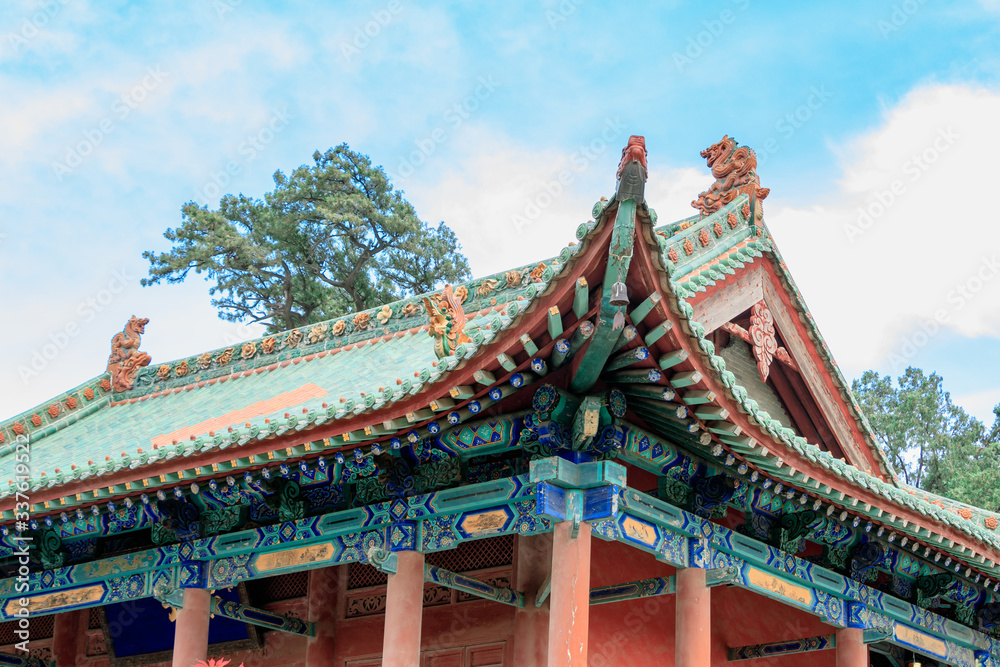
(460, 582)
(529, 345)
(774, 649)
(569, 475)
(632, 590)
(629, 334)
(657, 332)
(671, 359)
(588, 368)
(555, 322)
(685, 540)
(261, 618)
(560, 353)
(581, 336)
(508, 364)
(645, 308)
(498, 507)
(8, 660)
(627, 358)
(656, 392)
(645, 376)
(581, 298)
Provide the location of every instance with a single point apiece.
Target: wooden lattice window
(282, 587)
(466, 557)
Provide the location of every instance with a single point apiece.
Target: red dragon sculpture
(126, 359)
(735, 170)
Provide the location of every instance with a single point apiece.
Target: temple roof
(289, 381)
(374, 375)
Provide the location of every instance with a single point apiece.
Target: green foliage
(933, 443)
(331, 238)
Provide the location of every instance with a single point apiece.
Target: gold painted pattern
(58, 600)
(280, 560)
(485, 522)
(921, 640)
(780, 587)
(639, 531)
(117, 565)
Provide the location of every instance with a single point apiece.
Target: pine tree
(332, 238)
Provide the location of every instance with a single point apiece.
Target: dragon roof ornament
(126, 359)
(735, 171)
(447, 321)
(632, 171)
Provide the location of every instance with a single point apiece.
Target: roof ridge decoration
(632, 171)
(630, 191)
(447, 322)
(494, 292)
(126, 359)
(735, 171)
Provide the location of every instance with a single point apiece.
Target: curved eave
(774, 450)
(327, 430)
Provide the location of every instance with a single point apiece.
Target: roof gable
(725, 263)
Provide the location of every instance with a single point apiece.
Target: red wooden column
(404, 605)
(569, 607)
(531, 623)
(851, 648)
(693, 625)
(191, 628)
(324, 586)
(67, 631)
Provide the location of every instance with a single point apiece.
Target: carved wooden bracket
(763, 338)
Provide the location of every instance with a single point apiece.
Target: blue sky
(873, 123)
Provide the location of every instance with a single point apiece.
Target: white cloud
(980, 404)
(907, 242)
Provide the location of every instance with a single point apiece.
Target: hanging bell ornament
(619, 295)
(619, 298)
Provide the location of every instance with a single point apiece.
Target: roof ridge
(308, 354)
(517, 284)
(56, 413)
